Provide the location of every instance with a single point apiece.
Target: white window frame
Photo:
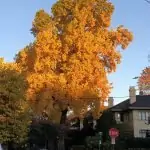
(142, 133)
(143, 115)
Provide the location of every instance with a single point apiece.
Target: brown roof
(142, 102)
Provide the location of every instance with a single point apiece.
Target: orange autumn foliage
(73, 51)
(144, 81)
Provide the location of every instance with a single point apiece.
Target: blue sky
(16, 20)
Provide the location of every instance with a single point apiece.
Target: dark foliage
(41, 134)
(104, 123)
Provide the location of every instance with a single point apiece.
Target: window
(121, 117)
(143, 115)
(140, 115)
(142, 133)
(147, 115)
(127, 117)
(117, 117)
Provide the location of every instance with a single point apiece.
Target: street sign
(100, 142)
(113, 132)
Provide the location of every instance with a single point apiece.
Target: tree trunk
(63, 116)
(51, 145)
(11, 146)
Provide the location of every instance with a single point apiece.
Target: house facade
(132, 115)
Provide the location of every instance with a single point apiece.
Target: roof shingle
(142, 101)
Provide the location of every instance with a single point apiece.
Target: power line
(110, 96)
(123, 97)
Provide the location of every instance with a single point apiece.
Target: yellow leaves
(39, 24)
(24, 58)
(1, 60)
(46, 51)
(123, 37)
(64, 57)
(73, 52)
(38, 82)
(62, 79)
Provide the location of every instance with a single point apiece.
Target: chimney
(110, 102)
(132, 94)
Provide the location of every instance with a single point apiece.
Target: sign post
(113, 133)
(100, 138)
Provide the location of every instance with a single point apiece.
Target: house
(132, 115)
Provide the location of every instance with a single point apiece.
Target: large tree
(144, 81)
(74, 50)
(14, 119)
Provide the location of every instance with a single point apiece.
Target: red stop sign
(113, 133)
